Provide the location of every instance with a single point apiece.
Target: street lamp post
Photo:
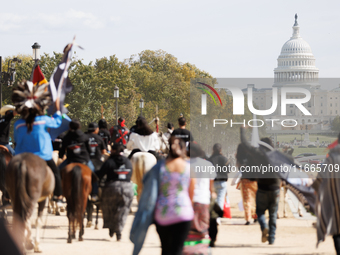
(36, 52)
(9, 76)
(116, 96)
(141, 106)
(36, 56)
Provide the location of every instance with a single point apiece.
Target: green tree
(336, 124)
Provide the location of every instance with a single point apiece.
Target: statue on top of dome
(296, 17)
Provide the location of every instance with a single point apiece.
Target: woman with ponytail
(166, 200)
(30, 132)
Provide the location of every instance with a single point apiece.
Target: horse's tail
(139, 171)
(22, 202)
(76, 191)
(2, 171)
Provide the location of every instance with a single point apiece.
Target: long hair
(30, 101)
(177, 147)
(143, 127)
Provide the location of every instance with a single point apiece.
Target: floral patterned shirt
(173, 202)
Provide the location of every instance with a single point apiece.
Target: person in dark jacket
(76, 146)
(104, 133)
(118, 192)
(268, 193)
(5, 123)
(96, 144)
(120, 133)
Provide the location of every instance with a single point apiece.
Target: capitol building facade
(296, 68)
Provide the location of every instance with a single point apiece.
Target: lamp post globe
(116, 96)
(36, 51)
(141, 106)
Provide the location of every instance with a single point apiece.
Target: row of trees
(156, 76)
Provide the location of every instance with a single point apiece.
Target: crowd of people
(185, 207)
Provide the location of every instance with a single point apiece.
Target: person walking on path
(268, 193)
(221, 165)
(118, 192)
(182, 132)
(166, 200)
(248, 186)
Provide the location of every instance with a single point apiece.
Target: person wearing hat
(5, 122)
(104, 133)
(76, 146)
(96, 145)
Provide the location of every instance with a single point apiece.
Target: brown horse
(28, 181)
(76, 180)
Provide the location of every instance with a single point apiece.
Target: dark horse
(28, 181)
(76, 180)
(5, 157)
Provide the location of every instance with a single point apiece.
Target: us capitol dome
(296, 63)
(296, 68)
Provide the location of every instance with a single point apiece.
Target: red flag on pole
(38, 76)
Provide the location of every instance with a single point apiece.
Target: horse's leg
(19, 228)
(81, 227)
(74, 225)
(29, 245)
(300, 209)
(97, 212)
(49, 205)
(89, 211)
(57, 212)
(69, 239)
(284, 201)
(38, 225)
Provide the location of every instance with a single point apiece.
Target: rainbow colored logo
(208, 92)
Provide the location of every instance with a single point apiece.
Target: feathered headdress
(30, 99)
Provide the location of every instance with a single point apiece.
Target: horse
(5, 157)
(142, 162)
(53, 206)
(76, 182)
(28, 181)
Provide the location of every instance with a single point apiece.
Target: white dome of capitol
(296, 45)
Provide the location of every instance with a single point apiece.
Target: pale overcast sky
(225, 38)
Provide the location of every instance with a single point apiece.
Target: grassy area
(312, 138)
(317, 151)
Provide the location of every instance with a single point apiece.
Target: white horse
(142, 162)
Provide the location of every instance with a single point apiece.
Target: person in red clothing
(120, 133)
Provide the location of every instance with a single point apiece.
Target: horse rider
(5, 123)
(30, 132)
(120, 133)
(104, 133)
(96, 144)
(76, 146)
(144, 139)
(182, 132)
(170, 130)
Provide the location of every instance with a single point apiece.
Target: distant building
(296, 68)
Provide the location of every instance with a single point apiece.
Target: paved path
(294, 236)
